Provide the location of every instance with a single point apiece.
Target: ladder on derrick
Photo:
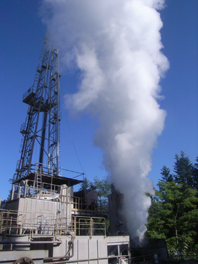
(39, 182)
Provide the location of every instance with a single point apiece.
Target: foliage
(102, 186)
(195, 174)
(183, 169)
(85, 185)
(173, 214)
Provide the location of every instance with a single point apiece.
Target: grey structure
(118, 223)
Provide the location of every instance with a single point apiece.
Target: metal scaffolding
(41, 128)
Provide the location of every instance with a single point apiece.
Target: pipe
(92, 259)
(32, 242)
(66, 256)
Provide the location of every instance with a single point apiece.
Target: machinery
(44, 221)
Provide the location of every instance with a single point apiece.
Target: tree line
(173, 214)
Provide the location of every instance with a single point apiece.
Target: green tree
(166, 175)
(173, 214)
(195, 174)
(155, 226)
(183, 169)
(103, 187)
(85, 185)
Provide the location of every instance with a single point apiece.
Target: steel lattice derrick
(40, 132)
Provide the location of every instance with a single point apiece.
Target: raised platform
(57, 180)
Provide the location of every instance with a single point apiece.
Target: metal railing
(45, 191)
(89, 226)
(47, 224)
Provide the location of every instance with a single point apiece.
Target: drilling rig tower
(41, 128)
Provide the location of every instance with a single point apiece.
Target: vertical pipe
(12, 197)
(105, 227)
(97, 253)
(91, 227)
(19, 191)
(42, 139)
(25, 191)
(74, 225)
(119, 254)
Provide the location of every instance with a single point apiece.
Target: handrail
(55, 194)
(48, 224)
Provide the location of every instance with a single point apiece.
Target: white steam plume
(116, 45)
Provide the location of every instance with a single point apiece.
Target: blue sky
(21, 36)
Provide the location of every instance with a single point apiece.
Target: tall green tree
(183, 169)
(166, 175)
(173, 214)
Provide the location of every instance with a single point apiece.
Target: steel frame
(42, 121)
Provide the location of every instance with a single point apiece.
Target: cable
(74, 145)
(62, 96)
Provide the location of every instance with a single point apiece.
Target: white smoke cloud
(116, 45)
